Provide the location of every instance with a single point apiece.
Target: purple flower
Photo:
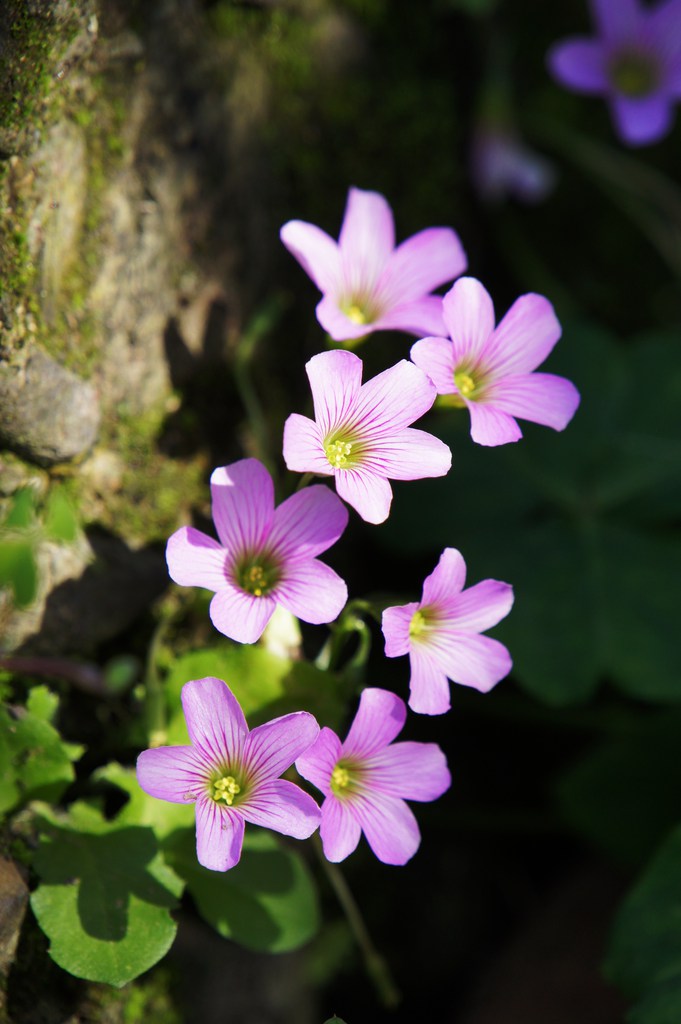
(231, 774)
(368, 284)
(361, 434)
(441, 635)
(635, 62)
(367, 779)
(265, 556)
(489, 370)
(501, 166)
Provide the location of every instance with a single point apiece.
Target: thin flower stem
(304, 481)
(155, 704)
(376, 965)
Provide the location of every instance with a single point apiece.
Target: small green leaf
(60, 522)
(267, 902)
(18, 570)
(21, 515)
(105, 896)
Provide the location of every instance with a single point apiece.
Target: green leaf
(142, 809)
(21, 515)
(18, 570)
(60, 522)
(105, 896)
(267, 902)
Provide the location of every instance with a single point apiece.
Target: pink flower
(231, 774)
(360, 433)
(441, 635)
(265, 556)
(366, 780)
(489, 370)
(635, 62)
(368, 284)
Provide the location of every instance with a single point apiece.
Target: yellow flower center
(337, 453)
(356, 314)
(465, 384)
(257, 578)
(418, 624)
(225, 789)
(633, 74)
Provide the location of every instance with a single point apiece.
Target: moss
(149, 998)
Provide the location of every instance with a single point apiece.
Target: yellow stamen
(226, 789)
(337, 453)
(356, 314)
(255, 580)
(465, 383)
(418, 624)
(340, 777)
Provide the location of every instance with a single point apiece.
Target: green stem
(155, 703)
(376, 966)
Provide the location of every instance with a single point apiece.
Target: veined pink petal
(340, 830)
(490, 426)
(418, 316)
(283, 807)
(469, 316)
(538, 397)
(312, 591)
(395, 624)
(480, 607)
(219, 835)
(317, 763)
(393, 399)
(177, 774)
(421, 264)
(409, 454)
(369, 495)
(469, 659)
(642, 121)
(215, 721)
(243, 504)
(335, 380)
(367, 239)
(580, 64)
(435, 356)
(379, 719)
(273, 747)
(338, 324)
(524, 338)
(307, 523)
(412, 771)
(316, 252)
(428, 684)
(446, 580)
(196, 560)
(241, 616)
(389, 826)
(303, 446)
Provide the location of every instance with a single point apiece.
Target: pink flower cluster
(362, 436)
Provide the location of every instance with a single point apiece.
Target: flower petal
(412, 771)
(389, 826)
(408, 455)
(312, 591)
(241, 616)
(273, 747)
(283, 807)
(419, 316)
(392, 400)
(340, 830)
(618, 20)
(303, 446)
(316, 252)
(446, 580)
(469, 316)
(580, 64)
(318, 762)
(421, 264)
(395, 624)
(480, 607)
(471, 660)
(215, 722)
(524, 338)
(196, 560)
(335, 380)
(380, 718)
(307, 523)
(219, 835)
(367, 239)
(491, 427)
(369, 495)
(243, 505)
(428, 684)
(643, 121)
(538, 397)
(177, 774)
(435, 356)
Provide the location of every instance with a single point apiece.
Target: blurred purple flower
(367, 283)
(502, 166)
(265, 556)
(367, 779)
(441, 635)
(361, 432)
(231, 774)
(635, 62)
(490, 370)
